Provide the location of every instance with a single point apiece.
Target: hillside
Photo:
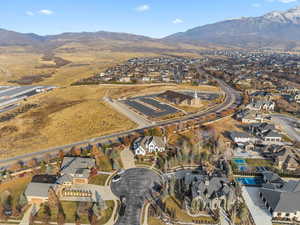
(275, 29)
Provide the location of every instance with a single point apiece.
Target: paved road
(134, 186)
(230, 101)
(287, 124)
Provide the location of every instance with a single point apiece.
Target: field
(69, 114)
(63, 116)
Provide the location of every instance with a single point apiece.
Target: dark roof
(175, 96)
(44, 178)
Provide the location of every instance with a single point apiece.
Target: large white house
(148, 144)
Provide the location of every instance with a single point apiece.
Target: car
(116, 178)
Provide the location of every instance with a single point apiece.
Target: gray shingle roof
(77, 166)
(285, 198)
(38, 189)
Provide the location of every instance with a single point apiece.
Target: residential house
(241, 137)
(284, 157)
(37, 190)
(281, 198)
(75, 170)
(212, 192)
(148, 145)
(259, 105)
(266, 132)
(72, 181)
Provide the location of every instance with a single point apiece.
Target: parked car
(116, 178)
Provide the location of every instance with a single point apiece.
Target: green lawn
(99, 179)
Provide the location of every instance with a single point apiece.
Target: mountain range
(272, 30)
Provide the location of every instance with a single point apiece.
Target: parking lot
(150, 107)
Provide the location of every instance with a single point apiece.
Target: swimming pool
(240, 161)
(243, 168)
(249, 180)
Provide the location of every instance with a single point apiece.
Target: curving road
(232, 100)
(135, 186)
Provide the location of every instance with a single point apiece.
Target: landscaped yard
(70, 209)
(99, 179)
(154, 221)
(106, 214)
(172, 203)
(15, 187)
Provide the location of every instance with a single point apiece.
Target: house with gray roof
(281, 198)
(75, 170)
(210, 192)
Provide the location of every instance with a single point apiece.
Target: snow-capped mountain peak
(289, 16)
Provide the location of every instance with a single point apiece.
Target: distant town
(227, 154)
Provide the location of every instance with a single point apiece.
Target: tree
(32, 163)
(43, 166)
(96, 153)
(16, 166)
(115, 164)
(53, 198)
(60, 215)
(61, 155)
(22, 201)
(47, 213)
(75, 151)
(243, 212)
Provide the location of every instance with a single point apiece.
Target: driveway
(256, 206)
(127, 158)
(287, 124)
(134, 187)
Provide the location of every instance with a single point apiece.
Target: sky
(154, 18)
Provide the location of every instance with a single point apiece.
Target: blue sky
(155, 18)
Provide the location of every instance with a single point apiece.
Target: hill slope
(270, 30)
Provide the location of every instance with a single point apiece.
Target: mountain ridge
(277, 28)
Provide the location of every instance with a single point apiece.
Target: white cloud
(29, 13)
(287, 1)
(177, 21)
(46, 12)
(142, 8)
(256, 5)
(282, 1)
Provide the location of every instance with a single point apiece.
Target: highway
(232, 99)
